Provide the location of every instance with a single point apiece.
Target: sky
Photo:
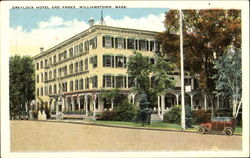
(35, 28)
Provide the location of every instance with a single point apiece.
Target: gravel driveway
(52, 136)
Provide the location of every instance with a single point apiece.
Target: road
(52, 136)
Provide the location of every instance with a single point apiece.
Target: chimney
(91, 22)
(41, 49)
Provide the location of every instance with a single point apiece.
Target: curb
(125, 127)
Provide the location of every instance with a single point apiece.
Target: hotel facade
(71, 75)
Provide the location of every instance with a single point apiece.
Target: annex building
(71, 75)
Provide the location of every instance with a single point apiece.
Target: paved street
(52, 136)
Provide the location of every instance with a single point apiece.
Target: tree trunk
(234, 106)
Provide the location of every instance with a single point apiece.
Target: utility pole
(183, 122)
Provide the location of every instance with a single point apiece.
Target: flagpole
(183, 122)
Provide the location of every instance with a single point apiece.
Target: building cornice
(91, 30)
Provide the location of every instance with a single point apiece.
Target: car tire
(201, 130)
(228, 132)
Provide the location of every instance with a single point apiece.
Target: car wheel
(228, 131)
(201, 130)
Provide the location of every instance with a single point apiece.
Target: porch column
(66, 104)
(57, 106)
(205, 101)
(159, 108)
(79, 102)
(177, 98)
(162, 104)
(191, 97)
(112, 104)
(72, 104)
(86, 104)
(63, 103)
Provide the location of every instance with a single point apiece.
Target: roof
(85, 32)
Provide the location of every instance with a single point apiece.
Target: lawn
(158, 125)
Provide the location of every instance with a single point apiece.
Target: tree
(229, 76)
(22, 82)
(140, 68)
(205, 33)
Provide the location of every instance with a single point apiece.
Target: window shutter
(136, 44)
(103, 41)
(103, 61)
(125, 62)
(124, 43)
(127, 43)
(113, 81)
(116, 43)
(112, 41)
(147, 45)
(112, 61)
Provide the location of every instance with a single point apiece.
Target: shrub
(108, 116)
(189, 116)
(173, 115)
(125, 111)
(201, 116)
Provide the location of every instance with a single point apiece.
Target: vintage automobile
(224, 125)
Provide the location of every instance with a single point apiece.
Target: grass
(158, 125)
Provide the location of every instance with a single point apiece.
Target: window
(59, 72)
(71, 85)
(143, 45)
(60, 88)
(108, 61)
(66, 86)
(131, 82)
(108, 42)
(94, 82)
(55, 74)
(108, 81)
(152, 46)
(93, 43)
(71, 52)
(86, 83)
(81, 48)
(64, 55)
(120, 43)
(46, 76)
(76, 67)
(86, 46)
(71, 68)
(54, 59)
(50, 89)
(42, 91)
(55, 90)
(81, 66)
(41, 63)
(120, 61)
(50, 75)
(50, 61)
(93, 61)
(130, 43)
(37, 78)
(46, 90)
(76, 50)
(120, 81)
(37, 91)
(81, 84)
(86, 64)
(46, 62)
(42, 77)
(59, 57)
(76, 84)
(65, 70)
(37, 66)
